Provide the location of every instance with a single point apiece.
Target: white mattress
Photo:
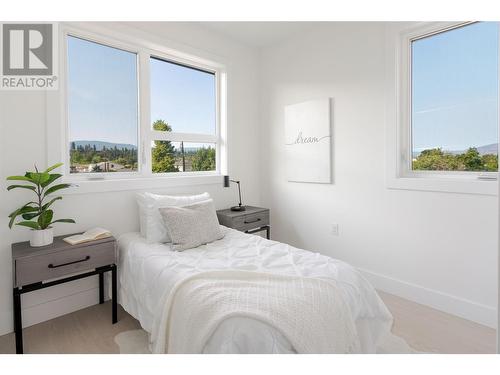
(147, 273)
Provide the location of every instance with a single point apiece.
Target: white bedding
(148, 272)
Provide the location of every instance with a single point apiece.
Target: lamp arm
(239, 189)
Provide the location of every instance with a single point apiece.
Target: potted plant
(37, 214)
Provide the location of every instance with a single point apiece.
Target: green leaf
(63, 221)
(19, 178)
(53, 167)
(13, 216)
(29, 187)
(23, 209)
(48, 204)
(56, 188)
(45, 218)
(30, 216)
(20, 211)
(29, 224)
(38, 178)
(52, 178)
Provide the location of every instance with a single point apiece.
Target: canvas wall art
(308, 141)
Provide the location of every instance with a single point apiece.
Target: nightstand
(42, 267)
(252, 220)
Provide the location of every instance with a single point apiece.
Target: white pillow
(152, 225)
(193, 225)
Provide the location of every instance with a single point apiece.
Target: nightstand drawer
(251, 221)
(64, 262)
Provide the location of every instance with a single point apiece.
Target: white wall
(23, 143)
(435, 248)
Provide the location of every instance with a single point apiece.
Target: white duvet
(148, 272)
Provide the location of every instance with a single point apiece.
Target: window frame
(400, 175)
(57, 102)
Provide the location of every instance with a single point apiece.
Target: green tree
(432, 160)
(437, 160)
(121, 160)
(76, 157)
(89, 154)
(490, 162)
(204, 159)
(96, 159)
(472, 160)
(163, 151)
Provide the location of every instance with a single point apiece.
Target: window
(454, 99)
(442, 104)
(132, 112)
(183, 115)
(102, 108)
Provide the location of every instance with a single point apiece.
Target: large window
(136, 112)
(102, 108)
(454, 99)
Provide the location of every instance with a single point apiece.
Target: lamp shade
(226, 181)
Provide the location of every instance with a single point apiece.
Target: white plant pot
(41, 237)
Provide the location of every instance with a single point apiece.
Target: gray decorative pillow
(193, 225)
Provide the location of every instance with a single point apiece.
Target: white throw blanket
(309, 312)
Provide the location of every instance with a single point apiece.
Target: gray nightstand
(34, 266)
(252, 220)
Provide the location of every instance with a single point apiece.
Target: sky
(455, 88)
(183, 97)
(102, 86)
(103, 94)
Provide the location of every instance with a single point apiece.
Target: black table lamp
(239, 207)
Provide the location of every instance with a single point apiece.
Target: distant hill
(488, 149)
(483, 150)
(193, 150)
(99, 145)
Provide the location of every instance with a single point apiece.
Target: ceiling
(259, 34)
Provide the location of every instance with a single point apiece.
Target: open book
(90, 235)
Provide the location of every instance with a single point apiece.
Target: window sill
(138, 183)
(445, 185)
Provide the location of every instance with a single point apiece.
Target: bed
(148, 273)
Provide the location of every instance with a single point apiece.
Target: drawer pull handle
(67, 264)
(253, 221)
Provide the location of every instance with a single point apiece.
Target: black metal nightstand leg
(101, 288)
(18, 323)
(268, 232)
(114, 294)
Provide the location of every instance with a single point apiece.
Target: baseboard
(470, 310)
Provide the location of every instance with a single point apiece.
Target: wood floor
(432, 331)
(84, 331)
(90, 331)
